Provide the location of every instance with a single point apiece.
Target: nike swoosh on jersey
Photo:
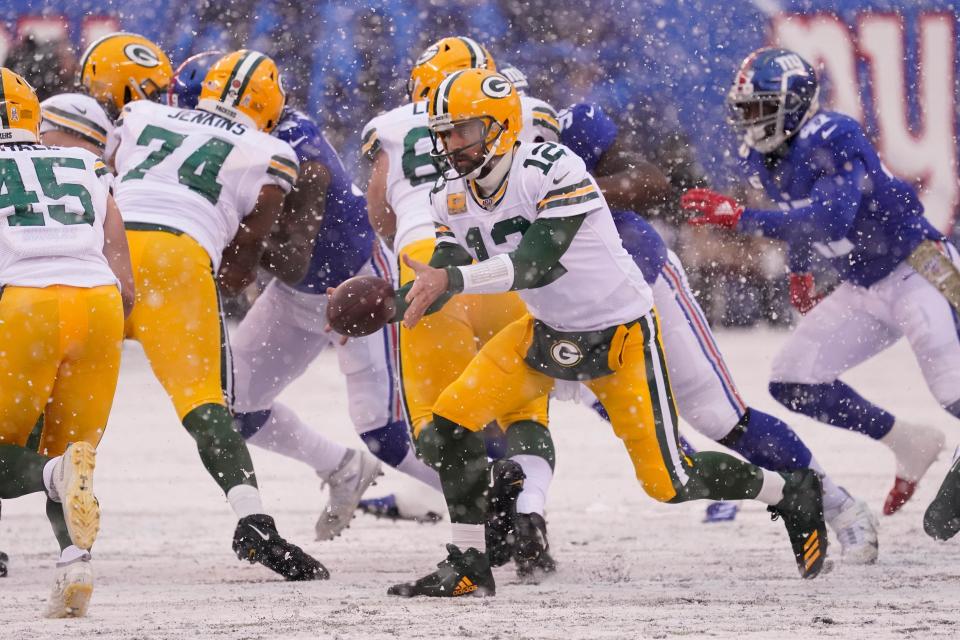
(79, 110)
(827, 132)
(294, 143)
(558, 180)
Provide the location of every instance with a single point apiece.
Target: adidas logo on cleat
(811, 550)
(464, 587)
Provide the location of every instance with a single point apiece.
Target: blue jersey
(836, 199)
(345, 239)
(589, 132)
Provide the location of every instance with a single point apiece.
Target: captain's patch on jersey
(456, 203)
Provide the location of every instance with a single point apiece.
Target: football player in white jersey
(550, 235)
(433, 354)
(200, 190)
(115, 69)
(63, 264)
(540, 121)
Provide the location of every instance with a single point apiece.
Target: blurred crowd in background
(347, 61)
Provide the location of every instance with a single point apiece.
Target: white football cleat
(72, 590)
(856, 530)
(348, 482)
(73, 485)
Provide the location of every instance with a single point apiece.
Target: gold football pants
(177, 318)
(60, 359)
(435, 352)
(636, 396)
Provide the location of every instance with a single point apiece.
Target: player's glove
(803, 292)
(714, 208)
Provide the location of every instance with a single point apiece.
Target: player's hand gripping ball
(360, 306)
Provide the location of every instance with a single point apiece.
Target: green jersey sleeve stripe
(87, 122)
(567, 189)
(570, 201)
(286, 162)
(273, 172)
(539, 122)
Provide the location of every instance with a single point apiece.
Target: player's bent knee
(390, 443)
(248, 424)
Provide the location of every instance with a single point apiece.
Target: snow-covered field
(629, 568)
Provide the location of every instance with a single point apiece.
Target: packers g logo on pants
(566, 353)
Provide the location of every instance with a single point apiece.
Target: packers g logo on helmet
(122, 67)
(441, 59)
(142, 55)
(19, 109)
(244, 86)
(471, 96)
(496, 87)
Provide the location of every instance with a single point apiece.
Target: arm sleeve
(800, 257)
(445, 256)
(539, 251)
(835, 200)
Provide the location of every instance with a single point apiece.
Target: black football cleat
(802, 513)
(463, 573)
(942, 519)
(506, 483)
(257, 541)
(531, 550)
(4, 559)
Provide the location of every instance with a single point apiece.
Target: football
(361, 306)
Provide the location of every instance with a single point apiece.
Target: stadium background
(660, 69)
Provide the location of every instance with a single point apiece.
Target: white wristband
(490, 276)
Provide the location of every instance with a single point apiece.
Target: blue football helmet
(774, 93)
(184, 88)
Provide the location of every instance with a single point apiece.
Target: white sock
(772, 490)
(48, 478)
(417, 468)
(72, 554)
(245, 500)
(469, 535)
(536, 484)
(286, 434)
(835, 497)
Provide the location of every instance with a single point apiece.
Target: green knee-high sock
(531, 438)
(21, 471)
(719, 476)
(222, 450)
(461, 460)
(59, 524)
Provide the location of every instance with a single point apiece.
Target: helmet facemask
(760, 116)
(464, 161)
